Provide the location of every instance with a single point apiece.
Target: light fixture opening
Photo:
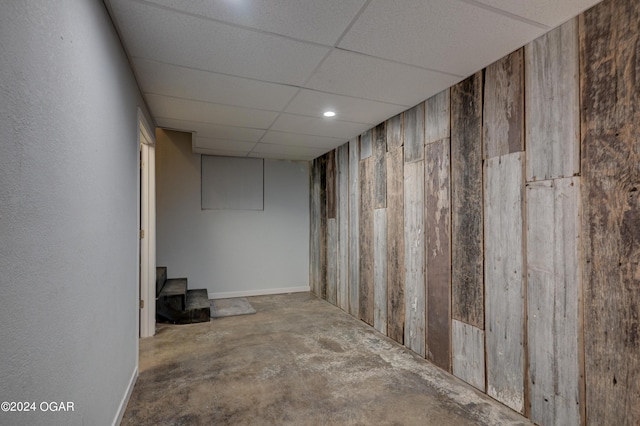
(329, 114)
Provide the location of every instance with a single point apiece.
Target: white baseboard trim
(246, 293)
(125, 400)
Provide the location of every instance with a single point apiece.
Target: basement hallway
(298, 361)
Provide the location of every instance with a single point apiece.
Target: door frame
(147, 217)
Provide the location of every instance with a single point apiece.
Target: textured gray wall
(68, 211)
(229, 251)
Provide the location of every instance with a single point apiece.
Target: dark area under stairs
(176, 304)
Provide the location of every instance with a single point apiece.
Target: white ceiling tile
(548, 12)
(314, 103)
(445, 35)
(281, 138)
(156, 33)
(227, 82)
(266, 148)
(220, 152)
(221, 144)
(163, 79)
(362, 76)
(212, 131)
(310, 20)
(318, 126)
(283, 156)
(182, 109)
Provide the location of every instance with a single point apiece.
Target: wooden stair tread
(174, 287)
(198, 299)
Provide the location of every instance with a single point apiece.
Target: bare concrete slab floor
(297, 361)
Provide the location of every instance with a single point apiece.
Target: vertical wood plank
(331, 184)
(315, 228)
(552, 114)
(395, 132)
(437, 117)
(414, 332)
(414, 134)
(395, 244)
(468, 353)
(504, 281)
(438, 252)
(332, 259)
(504, 106)
(610, 93)
(342, 162)
(466, 201)
(380, 270)
(366, 144)
(380, 171)
(553, 299)
(366, 303)
(322, 284)
(354, 227)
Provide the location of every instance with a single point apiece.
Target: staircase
(176, 304)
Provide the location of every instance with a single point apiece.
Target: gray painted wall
(68, 211)
(231, 251)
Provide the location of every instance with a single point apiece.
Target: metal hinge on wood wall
(141, 304)
(141, 233)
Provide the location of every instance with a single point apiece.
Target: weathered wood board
(332, 260)
(395, 132)
(414, 134)
(366, 144)
(610, 231)
(342, 193)
(380, 167)
(354, 227)
(466, 201)
(504, 279)
(468, 353)
(331, 184)
(438, 252)
(380, 270)
(366, 303)
(553, 300)
(552, 110)
(322, 171)
(314, 243)
(395, 244)
(437, 122)
(414, 332)
(504, 106)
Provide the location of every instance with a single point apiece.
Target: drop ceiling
(252, 78)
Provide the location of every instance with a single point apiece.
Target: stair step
(198, 307)
(198, 299)
(174, 287)
(174, 294)
(161, 278)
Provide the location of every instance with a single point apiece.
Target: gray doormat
(231, 307)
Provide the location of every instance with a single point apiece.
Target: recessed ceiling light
(329, 114)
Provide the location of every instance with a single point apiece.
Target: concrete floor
(297, 361)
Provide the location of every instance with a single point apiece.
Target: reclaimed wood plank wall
(494, 229)
(380, 228)
(554, 289)
(610, 231)
(354, 228)
(395, 230)
(342, 216)
(438, 229)
(466, 201)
